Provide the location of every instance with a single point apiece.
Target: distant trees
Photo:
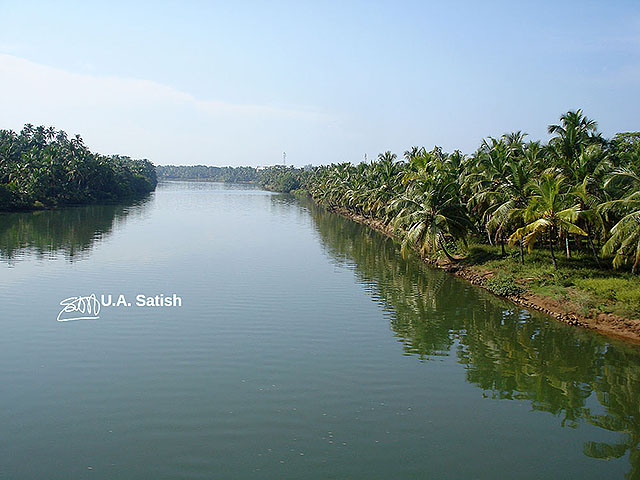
(42, 167)
(578, 192)
(210, 173)
(277, 178)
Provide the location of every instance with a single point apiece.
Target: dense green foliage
(42, 167)
(503, 285)
(204, 172)
(578, 193)
(283, 179)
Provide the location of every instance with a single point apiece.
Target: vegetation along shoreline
(554, 227)
(608, 324)
(42, 168)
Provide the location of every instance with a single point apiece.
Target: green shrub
(503, 285)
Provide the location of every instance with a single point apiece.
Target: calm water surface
(306, 347)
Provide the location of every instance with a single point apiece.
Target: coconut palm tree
(385, 179)
(387, 156)
(487, 182)
(431, 213)
(624, 243)
(413, 152)
(574, 133)
(547, 213)
(504, 201)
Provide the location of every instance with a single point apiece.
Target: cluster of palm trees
(281, 178)
(41, 167)
(579, 191)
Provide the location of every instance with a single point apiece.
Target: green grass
(587, 287)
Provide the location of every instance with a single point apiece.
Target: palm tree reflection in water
(505, 352)
(71, 232)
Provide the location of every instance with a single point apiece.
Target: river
(304, 346)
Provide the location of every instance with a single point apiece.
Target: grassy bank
(585, 287)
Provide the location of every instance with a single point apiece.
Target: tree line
(42, 167)
(209, 173)
(277, 178)
(580, 191)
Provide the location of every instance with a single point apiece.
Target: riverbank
(579, 307)
(40, 207)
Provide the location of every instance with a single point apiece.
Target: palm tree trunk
(521, 243)
(502, 245)
(553, 257)
(566, 242)
(593, 250)
(489, 237)
(444, 249)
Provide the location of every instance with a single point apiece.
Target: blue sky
(238, 83)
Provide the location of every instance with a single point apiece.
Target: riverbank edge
(43, 208)
(606, 324)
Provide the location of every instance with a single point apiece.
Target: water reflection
(577, 376)
(71, 232)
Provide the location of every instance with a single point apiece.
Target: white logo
(88, 308)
